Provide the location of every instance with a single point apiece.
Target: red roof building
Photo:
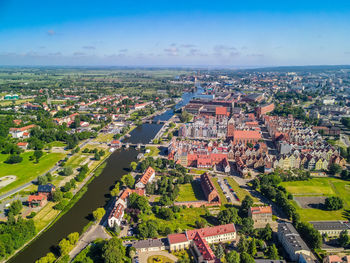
(209, 189)
(245, 137)
(147, 177)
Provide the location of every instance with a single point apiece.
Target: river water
(97, 194)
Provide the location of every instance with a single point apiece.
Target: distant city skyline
(176, 33)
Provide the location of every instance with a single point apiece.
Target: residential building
(146, 178)
(291, 241)
(331, 228)
(37, 200)
(209, 189)
(261, 215)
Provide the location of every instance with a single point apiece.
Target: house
(18, 132)
(331, 228)
(333, 259)
(261, 215)
(215, 234)
(46, 189)
(201, 250)
(150, 245)
(116, 144)
(244, 137)
(23, 145)
(291, 241)
(209, 189)
(146, 178)
(37, 200)
(116, 216)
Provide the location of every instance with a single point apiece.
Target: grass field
(104, 137)
(27, 170)
(16, 102)
(56, 144)
(190, 192)
(159, 259)
(154, 151)
(45, 216)
(186, 220)
(241, 193)
(325, 187)
(221, 193)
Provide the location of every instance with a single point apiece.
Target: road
(345, 139)
(53, 169)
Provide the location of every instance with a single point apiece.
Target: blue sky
(174, 33)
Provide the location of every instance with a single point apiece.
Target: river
(97, 194)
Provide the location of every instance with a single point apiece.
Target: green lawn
(221, 193)
(241, 193)
(27, 170)
(56, 144)
(154, 151)
(159, 259)
(190, 192)
(186, 219)
(325, 187)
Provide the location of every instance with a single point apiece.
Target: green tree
(98, 213)
(344, 239)
(232, 257)
(67, 171)
(113, 251)
(266, 233)
(73, 238)
(128, 180)
(247, 225)
(227, 216)
(335, 169)
(57, 196)
(246, 258)
(272, 252)
(242, 245)
(42, 179)
(38, 154)
(115, 191)
(252, 247)
(133, 166)
(49, 258)
(65, 247)
(15, 207)
(219, 251)
(333, 203)
(246, 204)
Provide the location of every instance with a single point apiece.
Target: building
(263, 109)
(215, 234)
(150, 245)
(201, 250)
(20, 132)
(37, 200)
(333, 259)
(11, 97)
(146, 178)
(244, 137)
(331, 228)
(116, 216)
(46, 190)
(209, 189)
(23, 145)
(291, 241)
(261, 215)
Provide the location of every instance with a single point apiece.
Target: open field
(190, 192)
(241, 193)
(104, 137)
(322, 188)
(56, 144)
(159, 259)
(45, 216)
(15, 102)
(186, 219)
(154, 151)
(27, 170)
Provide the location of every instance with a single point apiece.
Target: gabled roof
(47, 188)
(211, 231)
(147, 175)
(261, 210)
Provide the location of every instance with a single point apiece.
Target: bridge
(142, 145)
(153, 121)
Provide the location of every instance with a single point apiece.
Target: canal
(97, 194)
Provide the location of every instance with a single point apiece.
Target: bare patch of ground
(310, 201)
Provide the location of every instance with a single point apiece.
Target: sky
(174, 33)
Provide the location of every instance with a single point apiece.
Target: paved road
(345, 139)
(53, 169)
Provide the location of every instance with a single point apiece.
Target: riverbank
(77, 195)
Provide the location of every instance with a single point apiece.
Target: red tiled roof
(238, 134)
(203, 247)
(37, 197)
(177, 238)
(261, 210)
(147, 175)
(22, 144)
(211, 231)
(221, 111)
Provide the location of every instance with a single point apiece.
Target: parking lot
(231, 198)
